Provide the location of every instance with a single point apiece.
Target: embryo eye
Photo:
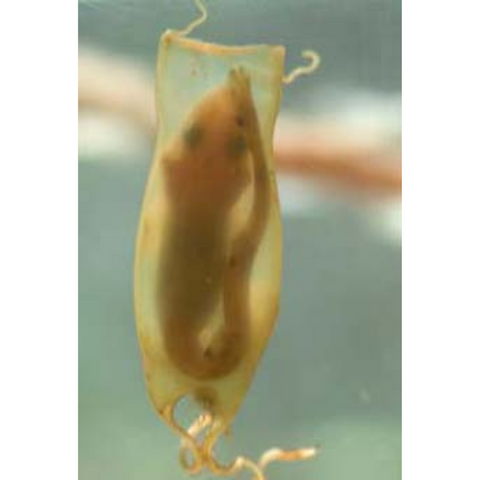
(237, 146)
(193, 135)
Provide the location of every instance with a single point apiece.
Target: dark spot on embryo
(237, 146)
(193, 135)
(240, 121)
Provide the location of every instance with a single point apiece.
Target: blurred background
(332, 371)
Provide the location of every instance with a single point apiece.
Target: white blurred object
(385, 218)
(373, 114)
(112, 138)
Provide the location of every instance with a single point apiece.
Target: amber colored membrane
(186, 71)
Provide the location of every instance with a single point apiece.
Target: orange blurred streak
(118, 86)
(361, 167)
